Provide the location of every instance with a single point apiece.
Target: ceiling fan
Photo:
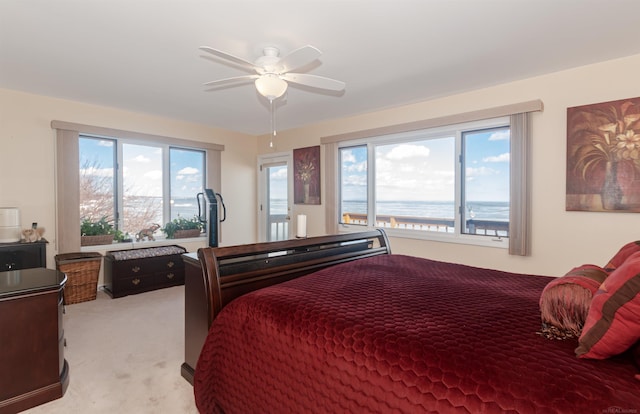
(272, 72)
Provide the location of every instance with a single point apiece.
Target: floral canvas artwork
(603, 157)
(306, 175)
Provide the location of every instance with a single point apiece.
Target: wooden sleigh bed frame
(216, 276)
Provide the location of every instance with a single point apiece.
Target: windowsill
(143, 244)
(485, 241)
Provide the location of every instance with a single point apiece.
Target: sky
(425, 170)
(142, 167)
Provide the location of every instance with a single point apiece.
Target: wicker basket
(82, 270)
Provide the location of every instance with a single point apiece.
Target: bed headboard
(232, 271)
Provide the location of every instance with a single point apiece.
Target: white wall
(561, 239)
(27, 159)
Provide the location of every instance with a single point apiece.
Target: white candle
(301, 230)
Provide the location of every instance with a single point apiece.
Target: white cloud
(403, 151)
(498, 158)
(347, 156)
(188, 174)
(480, 171)
(278, 173)
(359, 167)
(153, 175)
(500, 135)
(359, 180)
(142, 158)
(188, 171)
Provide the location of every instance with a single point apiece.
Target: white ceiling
(143, 56)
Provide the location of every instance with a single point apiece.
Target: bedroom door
(275, 196)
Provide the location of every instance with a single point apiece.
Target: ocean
(481, 210)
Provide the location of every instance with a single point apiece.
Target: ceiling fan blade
(298, 58)
(314, 81)
(238, 61)
(235, 79)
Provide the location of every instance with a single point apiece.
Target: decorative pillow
(565, 301)
(622, 255)
(613, 325)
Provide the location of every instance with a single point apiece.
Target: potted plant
(94, 233)
(181, 227)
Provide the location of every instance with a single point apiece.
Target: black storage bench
(128, 272)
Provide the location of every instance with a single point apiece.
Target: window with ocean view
(155, 184)
(486, 181)
(353, 185)
(186, 172)
(447, 182)
(141, 187)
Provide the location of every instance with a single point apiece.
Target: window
(155, 184)
(485, 196)
(353, 186)
(68, 170)
(187, 172)
(446, 183)
(97, 179)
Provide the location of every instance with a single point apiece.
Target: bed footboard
(224, 273)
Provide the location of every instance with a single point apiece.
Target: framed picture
(603, 157)
(306, 175)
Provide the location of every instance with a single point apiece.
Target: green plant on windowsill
(176, 227)
(122, 237)
(96, 232)
(96, 228)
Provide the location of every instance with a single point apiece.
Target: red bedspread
(394, 334)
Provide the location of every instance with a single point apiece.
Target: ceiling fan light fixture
(271, 86)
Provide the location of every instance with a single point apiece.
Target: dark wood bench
(132, 271)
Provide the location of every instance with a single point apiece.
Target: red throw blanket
(402, 334)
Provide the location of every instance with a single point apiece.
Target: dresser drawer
(147, 266)
(133, 283)
(172, 277)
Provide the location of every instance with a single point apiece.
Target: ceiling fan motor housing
(269, 60)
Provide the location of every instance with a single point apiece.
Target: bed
(339, 324)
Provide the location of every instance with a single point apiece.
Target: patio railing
(473, 226)
(279, 224)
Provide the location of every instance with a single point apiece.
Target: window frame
(67, 172)
(455, 130)
(119, 179)
(522, 116)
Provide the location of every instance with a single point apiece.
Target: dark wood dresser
(14, 256)
(132, 271)
(34, 370)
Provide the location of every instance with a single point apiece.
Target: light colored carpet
(124, 356)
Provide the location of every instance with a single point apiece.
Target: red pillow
(622, 255)
(565, 301)
(613, 322)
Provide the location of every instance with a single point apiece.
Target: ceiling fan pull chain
(273, 123)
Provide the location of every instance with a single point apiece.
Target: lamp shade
(271, 86)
